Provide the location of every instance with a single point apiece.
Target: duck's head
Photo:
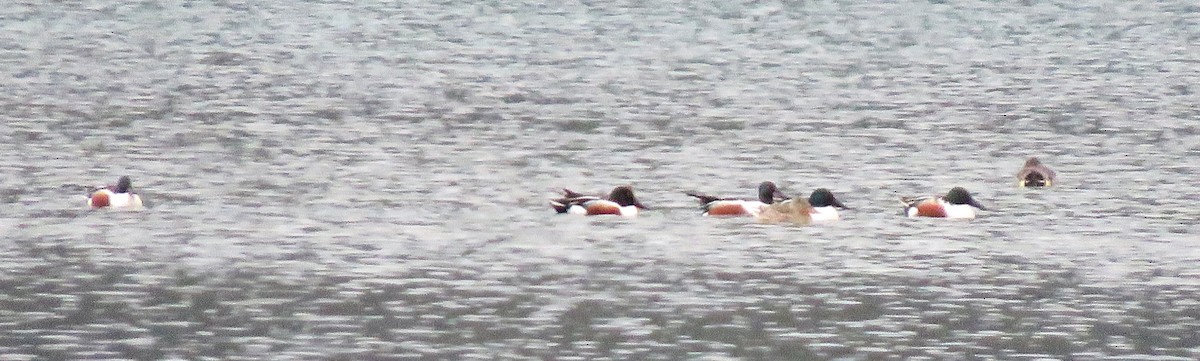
(623, 196)
(124, 185)
(769, 193)
(959, 195)
(824, 198)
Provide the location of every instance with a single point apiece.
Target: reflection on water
(359, 181)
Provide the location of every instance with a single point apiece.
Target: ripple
(372, 184)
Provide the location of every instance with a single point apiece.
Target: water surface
(360, 181)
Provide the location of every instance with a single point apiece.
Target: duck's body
(120, 196)
(768, 193)
(620, 201)
(794, 210)
(1035, 174)
(955, 204)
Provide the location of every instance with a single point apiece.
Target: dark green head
(959, 195)
(124, 185)
(824, 198)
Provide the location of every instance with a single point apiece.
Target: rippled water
(336, 180)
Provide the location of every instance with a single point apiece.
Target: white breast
(824, 214)
(959, 210)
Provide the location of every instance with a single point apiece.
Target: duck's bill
(975, 204)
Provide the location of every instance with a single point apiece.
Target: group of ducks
(773, 206)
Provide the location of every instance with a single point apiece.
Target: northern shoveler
(794, 210)
(768, 193)
(1035, 174)
(956, 204)
(120, 196)
(620, 202)
(824, 205)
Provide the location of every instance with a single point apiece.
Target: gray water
(359, 181)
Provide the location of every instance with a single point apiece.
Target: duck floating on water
(768, 193)
(620, 201)
(120, 196)
(958, 203)
(1035, 174)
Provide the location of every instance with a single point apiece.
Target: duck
(824, 205)
(957, 203)
(1035, 174)
(621, 202)
(768, 193)
(120, 196)
(795, 210)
